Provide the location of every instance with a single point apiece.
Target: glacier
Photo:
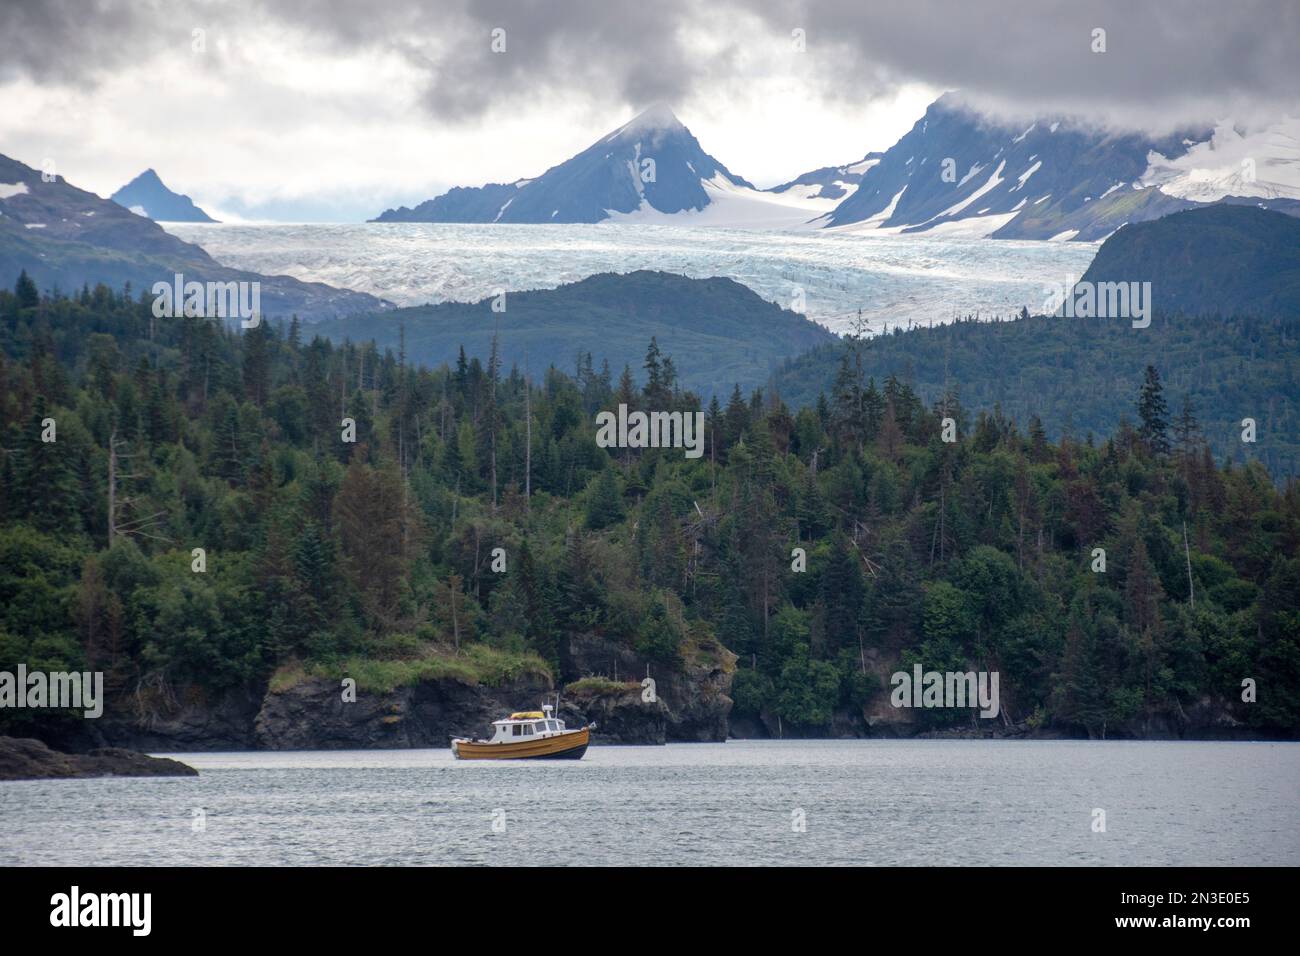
(893, 279)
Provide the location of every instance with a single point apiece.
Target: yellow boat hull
(567, 746)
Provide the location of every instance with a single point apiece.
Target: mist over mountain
(958, 171)
(650, 165)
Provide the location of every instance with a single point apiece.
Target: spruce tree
(28, 295)
(1153, 412)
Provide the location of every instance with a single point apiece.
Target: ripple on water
(863, 802)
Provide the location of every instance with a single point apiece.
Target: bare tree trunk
(112, 485)
(455, 622)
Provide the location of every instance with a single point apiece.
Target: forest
(379, 554)
(1078, 376)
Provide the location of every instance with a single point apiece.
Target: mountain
(650, 169)
(830, 182)
(1224, 259)
(66, 237)
(1226, 292)
(147, 196)
(719, 332)
(960, 172)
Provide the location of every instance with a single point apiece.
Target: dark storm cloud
(1195, 57)
(67, 41)
(1162, 60)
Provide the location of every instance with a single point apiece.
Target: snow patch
(876, 222)
(1025, 133)
(862, 167)
(1263, 162)
(9, 190)
(992, 183)
(1024, 177)
(732, 206)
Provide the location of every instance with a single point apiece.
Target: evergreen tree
(604, 505)
(26, 292)
(1153, 413)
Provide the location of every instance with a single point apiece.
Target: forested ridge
(374, 557)
(1078, 376)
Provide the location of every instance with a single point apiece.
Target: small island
(22, 758)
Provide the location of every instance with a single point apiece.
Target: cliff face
(312, 714)
(297, 712)
(686, 703)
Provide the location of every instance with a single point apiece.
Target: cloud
(67, 42)
(1164, 62)
(294, 103)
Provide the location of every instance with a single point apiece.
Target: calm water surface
(871, 802)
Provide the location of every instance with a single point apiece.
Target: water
(893, 279)
(866, 802)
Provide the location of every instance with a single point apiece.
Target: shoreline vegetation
(201, 531)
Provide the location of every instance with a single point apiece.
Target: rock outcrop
(22, 758)
(621, 712)
(312, 714)
(689, 703)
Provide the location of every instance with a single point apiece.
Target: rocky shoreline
(295, 711)
(607, 686)
(23, 758)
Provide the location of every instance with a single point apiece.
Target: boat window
(555, 725)
(518, 730)
(528, 729)
(541, 727)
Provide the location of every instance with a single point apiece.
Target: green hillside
(719, 332)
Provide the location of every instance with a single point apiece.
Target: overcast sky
(294, 109)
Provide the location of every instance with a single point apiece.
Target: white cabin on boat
(526, 725)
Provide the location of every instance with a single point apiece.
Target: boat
(526, 735)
